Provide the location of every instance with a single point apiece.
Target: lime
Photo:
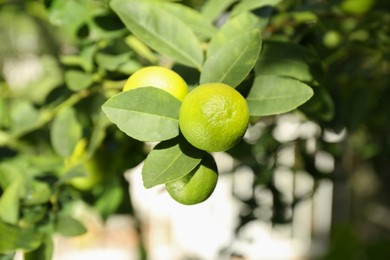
(213, 117)
(159, 77)
(196, 186)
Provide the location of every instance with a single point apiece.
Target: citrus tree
(86, 84)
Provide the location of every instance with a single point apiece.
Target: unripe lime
(332, 39)
(356, 6)
(196, 186)
(213, 117)
(159, 77)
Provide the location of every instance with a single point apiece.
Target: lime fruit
(159, 77)
(357, 7)
(213, 117)
(332, 39)
(93, 176)
(196, 186)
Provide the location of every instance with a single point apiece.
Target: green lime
(159, 77)
(213, 117)
(196, 186)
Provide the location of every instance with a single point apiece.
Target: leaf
(34, 215)
(288, 59)
(37, 192)
(24, 116)
(9, 201)
(13, 238)
(77, 80)
(145, 114)
(83, 60)
(170, 160)
(213, 8)
(112, 62)
(69, 14)
(68, 226)
(235, 27)
(247, 5)
(192, 18)
(161, 30)
(123, 63)
(8, 173)
(109, 200)
(272, 95)
(4, 113)
(43, 252)
(233, 62)
(65, 132)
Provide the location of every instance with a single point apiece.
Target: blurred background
(309, 184)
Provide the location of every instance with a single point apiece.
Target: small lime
(196, 186)
(214, 117)
(159, 77)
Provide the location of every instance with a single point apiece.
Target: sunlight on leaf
(146, 114)
(271, 95)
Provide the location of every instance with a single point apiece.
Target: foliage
(62, 60)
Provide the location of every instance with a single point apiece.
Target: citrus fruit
(332, 39)
(196, 186)
(93, 176)
(159, 77)
(213, 117)
(357, 7)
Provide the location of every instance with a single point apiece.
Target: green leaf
(109, 201)
(272, 95)
(233, 62)
(13, 238)
(83, 60)
(161, 30)
(77, 80)
(43, 252)
(69, 15)
(247, 5)
(235, 27)
(213, 8)
(122, 62)
(146, 114)
(170, 160)
(9, 201)
(24, 116)
(4, 113)
(65, 132)
(192, 18)
(31, 215)
(288, 59)
(8, 173)
(37, 192)
(112, 62)
(68, 226)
